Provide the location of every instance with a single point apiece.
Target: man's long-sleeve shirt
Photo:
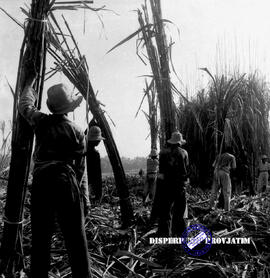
(57, 139)
(173, 164)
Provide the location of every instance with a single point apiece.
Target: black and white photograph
(134, 138)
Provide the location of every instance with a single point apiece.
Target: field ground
(127, 253)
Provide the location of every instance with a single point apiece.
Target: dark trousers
(55, 195)
(172, 209)
(156, 206)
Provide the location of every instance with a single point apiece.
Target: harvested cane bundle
(32, 62)
(73, 64)
(152, 37)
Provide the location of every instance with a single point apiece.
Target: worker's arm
(27, 106)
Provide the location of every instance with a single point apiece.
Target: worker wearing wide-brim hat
(151, 175)
(221, 178)
(173, 172)
(94, 163)
(59, 187)
(177, 139)
(264, 168)
(61, 100)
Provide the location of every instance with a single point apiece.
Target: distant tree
(129, 164)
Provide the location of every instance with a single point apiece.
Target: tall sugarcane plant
(231, 111)
(32, 63)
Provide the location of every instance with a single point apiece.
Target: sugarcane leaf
(145, 94)
(51, 274)
(129, 37)
(171, 61)
(13, 18)
(143, 260)
(11, 89)
(179, 93)
(148, 87)
(209, 73)
(65, 8)
(27, 13)
(146, 115)
(146, 75)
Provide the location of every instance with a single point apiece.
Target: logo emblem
(197, 240)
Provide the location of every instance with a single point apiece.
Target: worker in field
(94, 163)
(222, 181)
(172, 177)
(151, 176)
(59, 188)
(264, 168)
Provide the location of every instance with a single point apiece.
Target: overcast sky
(213, 33)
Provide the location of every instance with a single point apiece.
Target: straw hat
(176, 138)
(60, 99)
(153, 152)
(264, 156)
(94, 134)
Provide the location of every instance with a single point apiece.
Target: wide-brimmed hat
(153, 152)
(177, 138)
(94, 134)
(61, 100)
(264, 156)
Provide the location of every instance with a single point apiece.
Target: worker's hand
(160, 176)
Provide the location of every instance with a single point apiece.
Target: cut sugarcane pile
(127, 253)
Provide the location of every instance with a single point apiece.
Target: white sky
(213, 33)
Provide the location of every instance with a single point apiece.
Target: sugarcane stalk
(76, 70)
(112, 151)
(152, 117)
(165, 97)
(22, 138)
(154, 63)
(159, 62)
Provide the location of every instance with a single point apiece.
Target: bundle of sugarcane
(155, 41)
(32, 63)
(73, 64)
(152, 37)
